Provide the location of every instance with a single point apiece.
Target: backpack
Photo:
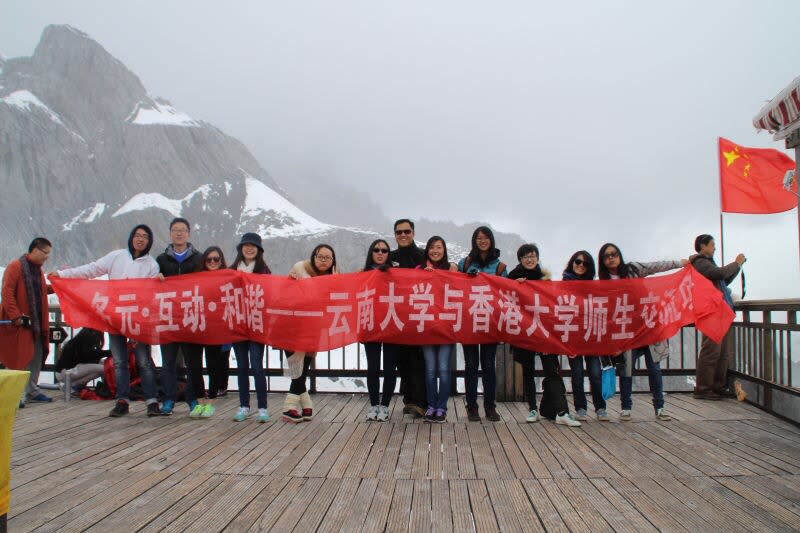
(498, 271)
(554, 398)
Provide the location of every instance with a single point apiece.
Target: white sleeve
(90, 271)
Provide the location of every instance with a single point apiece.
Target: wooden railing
(765, 335)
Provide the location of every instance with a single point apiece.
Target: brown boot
(492, 415)
(472, 414)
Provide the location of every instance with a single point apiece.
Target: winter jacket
(490, 267)
(118, 264)
(80, 350)
(169, 266)
(407, 256)
(16, 342)
(721, 277)
(302, 270)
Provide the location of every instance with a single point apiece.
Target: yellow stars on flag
(735, 154)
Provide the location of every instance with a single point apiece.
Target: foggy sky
(571, 124)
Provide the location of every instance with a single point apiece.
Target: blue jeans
(193, 358)
(595, 381)
(250, 355)
(485, 353)
(144, 364)
(437, 364)
(653, 375)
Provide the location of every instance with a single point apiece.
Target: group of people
(424, 372)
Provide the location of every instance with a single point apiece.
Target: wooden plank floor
(716, 466)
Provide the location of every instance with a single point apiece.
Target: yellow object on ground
(12, 383)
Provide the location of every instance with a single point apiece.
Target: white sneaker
(602, 415)
(533, 416)
(661, 414)
(383, 413)
(372, 412)
(580, 414)
(625, 415)
(567, 420)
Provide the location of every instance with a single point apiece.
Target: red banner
(399, 306)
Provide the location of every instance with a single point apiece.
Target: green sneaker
(208, 411)
(242, 414)
(263, 415)
(197, 411)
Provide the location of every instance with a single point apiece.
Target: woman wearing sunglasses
(581, 268)
(613, 266)
(217, 356)
(298, 406)
(378, 259)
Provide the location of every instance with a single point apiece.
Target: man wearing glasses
(410, 363)
(179, 258)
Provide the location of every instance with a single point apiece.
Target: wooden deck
(717, 466)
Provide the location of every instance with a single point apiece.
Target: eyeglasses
(380, 250)
(323, 258)
(611, 255)
(579, 262)
(530, 257)
(403, 231)
(213, 259)
(142, 236)
(179, 231)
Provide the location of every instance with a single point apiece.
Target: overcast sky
(572, 124)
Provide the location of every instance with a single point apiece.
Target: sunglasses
(403, 231)
(380, 250)
(213, 259)
(610, 255)
(580, 262)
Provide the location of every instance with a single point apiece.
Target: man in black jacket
(180, 257)
(712, 361)
(410, 362)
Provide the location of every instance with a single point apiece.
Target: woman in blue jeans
(581, 268)
(437, 356)
(612, 266)
(250, 354)
(484, 257)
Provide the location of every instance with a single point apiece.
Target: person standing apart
(712, 361)
(24, 343)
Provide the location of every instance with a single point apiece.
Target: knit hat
(251, 238)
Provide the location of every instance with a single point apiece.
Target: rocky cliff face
(86, 153)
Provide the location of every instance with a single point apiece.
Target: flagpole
(719, 184)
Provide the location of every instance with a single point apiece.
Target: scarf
(244, 267)
(32, 277)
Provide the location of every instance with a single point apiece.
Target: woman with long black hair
(581, 268)
(378, 259)
(298, 406)
(613, 266)
(484, 257)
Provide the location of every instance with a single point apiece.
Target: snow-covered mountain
(86, 153)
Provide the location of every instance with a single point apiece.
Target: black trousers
(298, 385)
(551, 370)
(411, 368)
(373, 350)
(218, 367)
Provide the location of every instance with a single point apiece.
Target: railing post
(768, 348)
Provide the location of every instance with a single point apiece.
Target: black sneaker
(120, 409)
(472, 414)
(153, 410)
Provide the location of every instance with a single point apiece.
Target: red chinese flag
(751, 179)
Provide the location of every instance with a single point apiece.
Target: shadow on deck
(716, 466)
